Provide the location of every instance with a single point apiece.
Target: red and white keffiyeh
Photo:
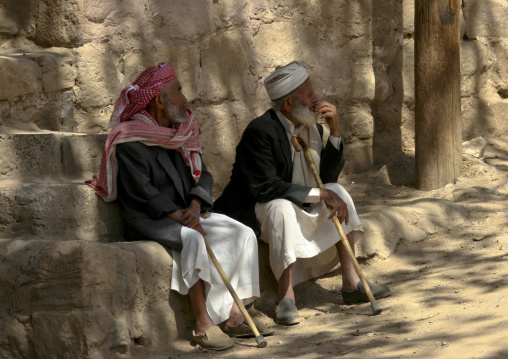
(130, 122)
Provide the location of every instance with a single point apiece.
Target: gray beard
(173, 113)
(303, 115)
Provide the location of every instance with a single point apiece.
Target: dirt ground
(449, 291)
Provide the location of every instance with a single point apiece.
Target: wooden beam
(438, 126)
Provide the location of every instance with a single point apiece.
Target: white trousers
(305, 239)
(235, 247)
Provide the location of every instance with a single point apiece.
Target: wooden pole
(438, 127)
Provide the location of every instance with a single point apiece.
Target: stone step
(58, 212)
(81, 299)
(49, 157)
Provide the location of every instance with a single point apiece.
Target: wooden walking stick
(300, 145)
(259, 338)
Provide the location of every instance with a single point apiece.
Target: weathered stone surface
(58, 72)
(106, 20)
(57, 211)
(50, 157)
(197, 16)
(221, 128)
(98, 80)
(57, 23)
(8, 25)
(475, 147)
(18, 76)
(80, 299)
(223, 78)
(32, 113)
(486, 18)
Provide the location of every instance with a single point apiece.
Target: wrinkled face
(306, 96)
(304, 108)
(174, 103)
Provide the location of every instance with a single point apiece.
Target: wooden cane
(260, 340)
(300, 145)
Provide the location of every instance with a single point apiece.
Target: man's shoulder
(263, 122)
(132, 146)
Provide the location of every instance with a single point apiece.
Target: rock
(382, 176)
(475, 147)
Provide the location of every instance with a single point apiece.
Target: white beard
(305, 116)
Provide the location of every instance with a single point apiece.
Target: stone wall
(63, 63)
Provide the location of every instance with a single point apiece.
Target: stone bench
(84, 299)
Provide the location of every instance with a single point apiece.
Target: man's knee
(279, 207)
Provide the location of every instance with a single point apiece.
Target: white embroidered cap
(284, 80)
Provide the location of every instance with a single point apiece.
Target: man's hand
(189, 217)
(338, 206)
(328, 112)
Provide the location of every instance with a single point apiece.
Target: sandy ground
(450, 290)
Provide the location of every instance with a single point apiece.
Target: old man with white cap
(152, 165)
(273, 191)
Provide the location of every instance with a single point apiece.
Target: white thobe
(304, 238)
(235, 247)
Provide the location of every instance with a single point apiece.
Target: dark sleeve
(203, 188)
(332, 162)
(139, 193)
(258, 156)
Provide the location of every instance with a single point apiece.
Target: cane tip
(376, 308)
(261, 341)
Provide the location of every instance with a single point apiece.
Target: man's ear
(158, 101)
(288, 103)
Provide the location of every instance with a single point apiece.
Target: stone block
(98, 80)
(58, 70)
(357, 123)
(57, 211)
(80, 299)
(18, 75)
(81, 155)
(50, 156)
(30, 156)
(358, 155)
(486, 18)
(105, 20)
(57, 23)
(196, 16)
(474, 56)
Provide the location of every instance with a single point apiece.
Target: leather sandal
(213, 339)
(360, 296)
(243, 330)
(286, 313)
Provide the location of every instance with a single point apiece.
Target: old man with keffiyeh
(152, 164)
(273, 190)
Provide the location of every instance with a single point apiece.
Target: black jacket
(263, 170)
(152, 182)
